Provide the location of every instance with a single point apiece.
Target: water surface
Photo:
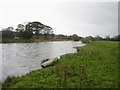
(21, 58)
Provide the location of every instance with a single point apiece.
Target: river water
(17, 59)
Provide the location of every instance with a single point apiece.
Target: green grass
(93, 66)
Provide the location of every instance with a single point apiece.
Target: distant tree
(90, 38)
(19, 30)
(87, 39)
(35, 27)
(97, 37)
(116, 38)
(19, 34)
(39, 28)
(75, 37)
(8, 32)
(47, 31)
(107, 37)
(27, 34)
(20, 27)
(10, 28)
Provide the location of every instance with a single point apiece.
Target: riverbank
(43, 39)
(21, 40)
(93, 66)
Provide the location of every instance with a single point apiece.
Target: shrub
(7, 34)
(27, 34)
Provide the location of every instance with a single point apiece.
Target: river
(17, 59)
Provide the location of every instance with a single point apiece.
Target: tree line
(38, 29)
(27, 31)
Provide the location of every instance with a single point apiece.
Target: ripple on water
(20, 58)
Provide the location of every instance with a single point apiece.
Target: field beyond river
(92, 66)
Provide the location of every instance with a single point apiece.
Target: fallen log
(49, 62)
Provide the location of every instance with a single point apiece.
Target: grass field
(93, 66)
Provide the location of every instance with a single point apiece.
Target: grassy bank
(93, 66)
(22, 40)
(6, 40)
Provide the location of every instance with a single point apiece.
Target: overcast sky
(82, 18)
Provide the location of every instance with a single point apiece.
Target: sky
(84, 18)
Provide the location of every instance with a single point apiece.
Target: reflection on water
(20, 58)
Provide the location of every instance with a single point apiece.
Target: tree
(20, 27)
(39, 28)
(116, 38)
(19, 30)
(10, 28)
(35, 27)
(47, 31)
(107, 37)
(8, 32)
(90, 38)
(97, 37)
(19, 34)
(75, 37)
(27, 34)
